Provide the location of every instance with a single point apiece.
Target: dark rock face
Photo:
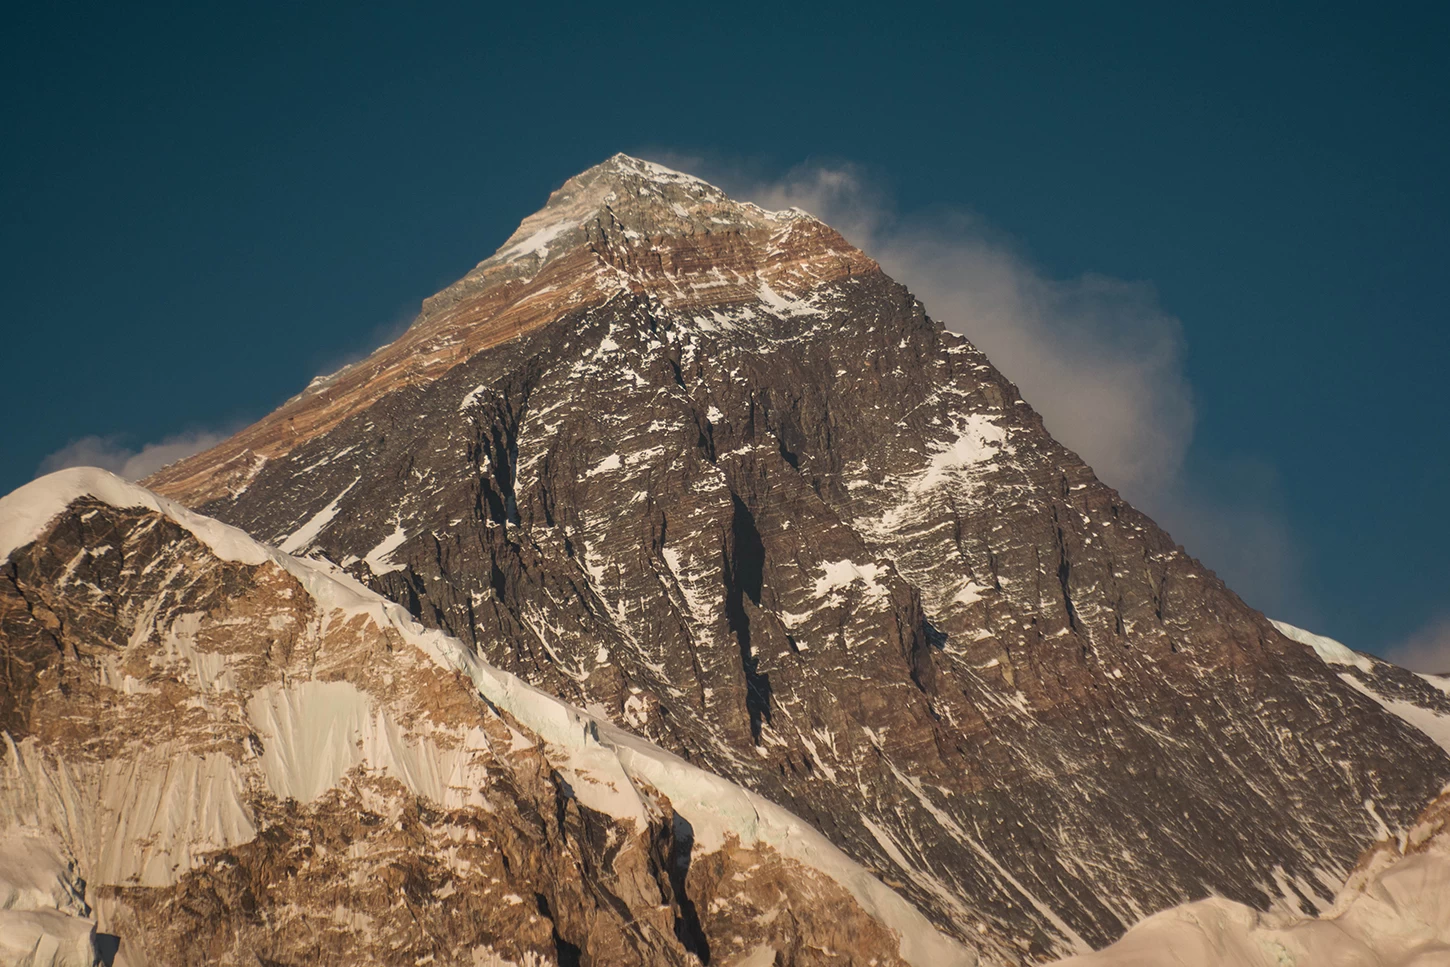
(809, 540)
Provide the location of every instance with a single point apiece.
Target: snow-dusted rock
(1393, 912)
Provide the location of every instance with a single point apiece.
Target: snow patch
(134, 820)
(308, 532)
(379, 559)
(611, 462)
(978, 440)
(313, 733)
(836, 576)
(783, 305)
(473, 396)
(537, 244)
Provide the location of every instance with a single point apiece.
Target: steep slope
(708, 472)
(1393, 912)
(222, 754)
(1420, 701)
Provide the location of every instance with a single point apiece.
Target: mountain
(705, 473)
(1391, 911)
(1421, 701)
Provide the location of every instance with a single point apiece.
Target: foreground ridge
(265, 750)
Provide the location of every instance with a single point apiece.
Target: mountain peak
(624, 167)
(710, 470)
(641, 199)
(623, 227)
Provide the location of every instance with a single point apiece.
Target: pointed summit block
(641, 196)
(647, 228)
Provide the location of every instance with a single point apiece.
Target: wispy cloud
(379, 336)
(1427, 650)
(1099, 357)
(108, 453)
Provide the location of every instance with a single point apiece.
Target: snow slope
(605, 763)
(1333, 652)
(42, 919)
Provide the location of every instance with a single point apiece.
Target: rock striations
(1392, 912)
(705, 473)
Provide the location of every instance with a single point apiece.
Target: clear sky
(206, 206)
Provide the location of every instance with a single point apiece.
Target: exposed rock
(1392, 912)
(1419, 700)
(599, 236)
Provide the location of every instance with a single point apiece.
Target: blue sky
(205, 208)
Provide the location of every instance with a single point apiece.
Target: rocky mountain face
(705, 471)
(219, 754)
(1421, 701)
(674, 591)
(1391, 913)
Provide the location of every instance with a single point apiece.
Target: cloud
(107, 453)
(1230, 514)
(379, 337)
(1098, 357)
(1427, 650)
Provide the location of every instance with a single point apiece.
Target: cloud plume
(1427, 650)
(1097, 356)
(108, 453)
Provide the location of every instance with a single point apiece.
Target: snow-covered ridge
(1333, 652)
(26, 512)
(656, 172)
(1432, 721)
(607, 765)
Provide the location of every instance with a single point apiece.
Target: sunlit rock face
(623, 227)
(706, 472)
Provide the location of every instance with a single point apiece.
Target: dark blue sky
(206, 207)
